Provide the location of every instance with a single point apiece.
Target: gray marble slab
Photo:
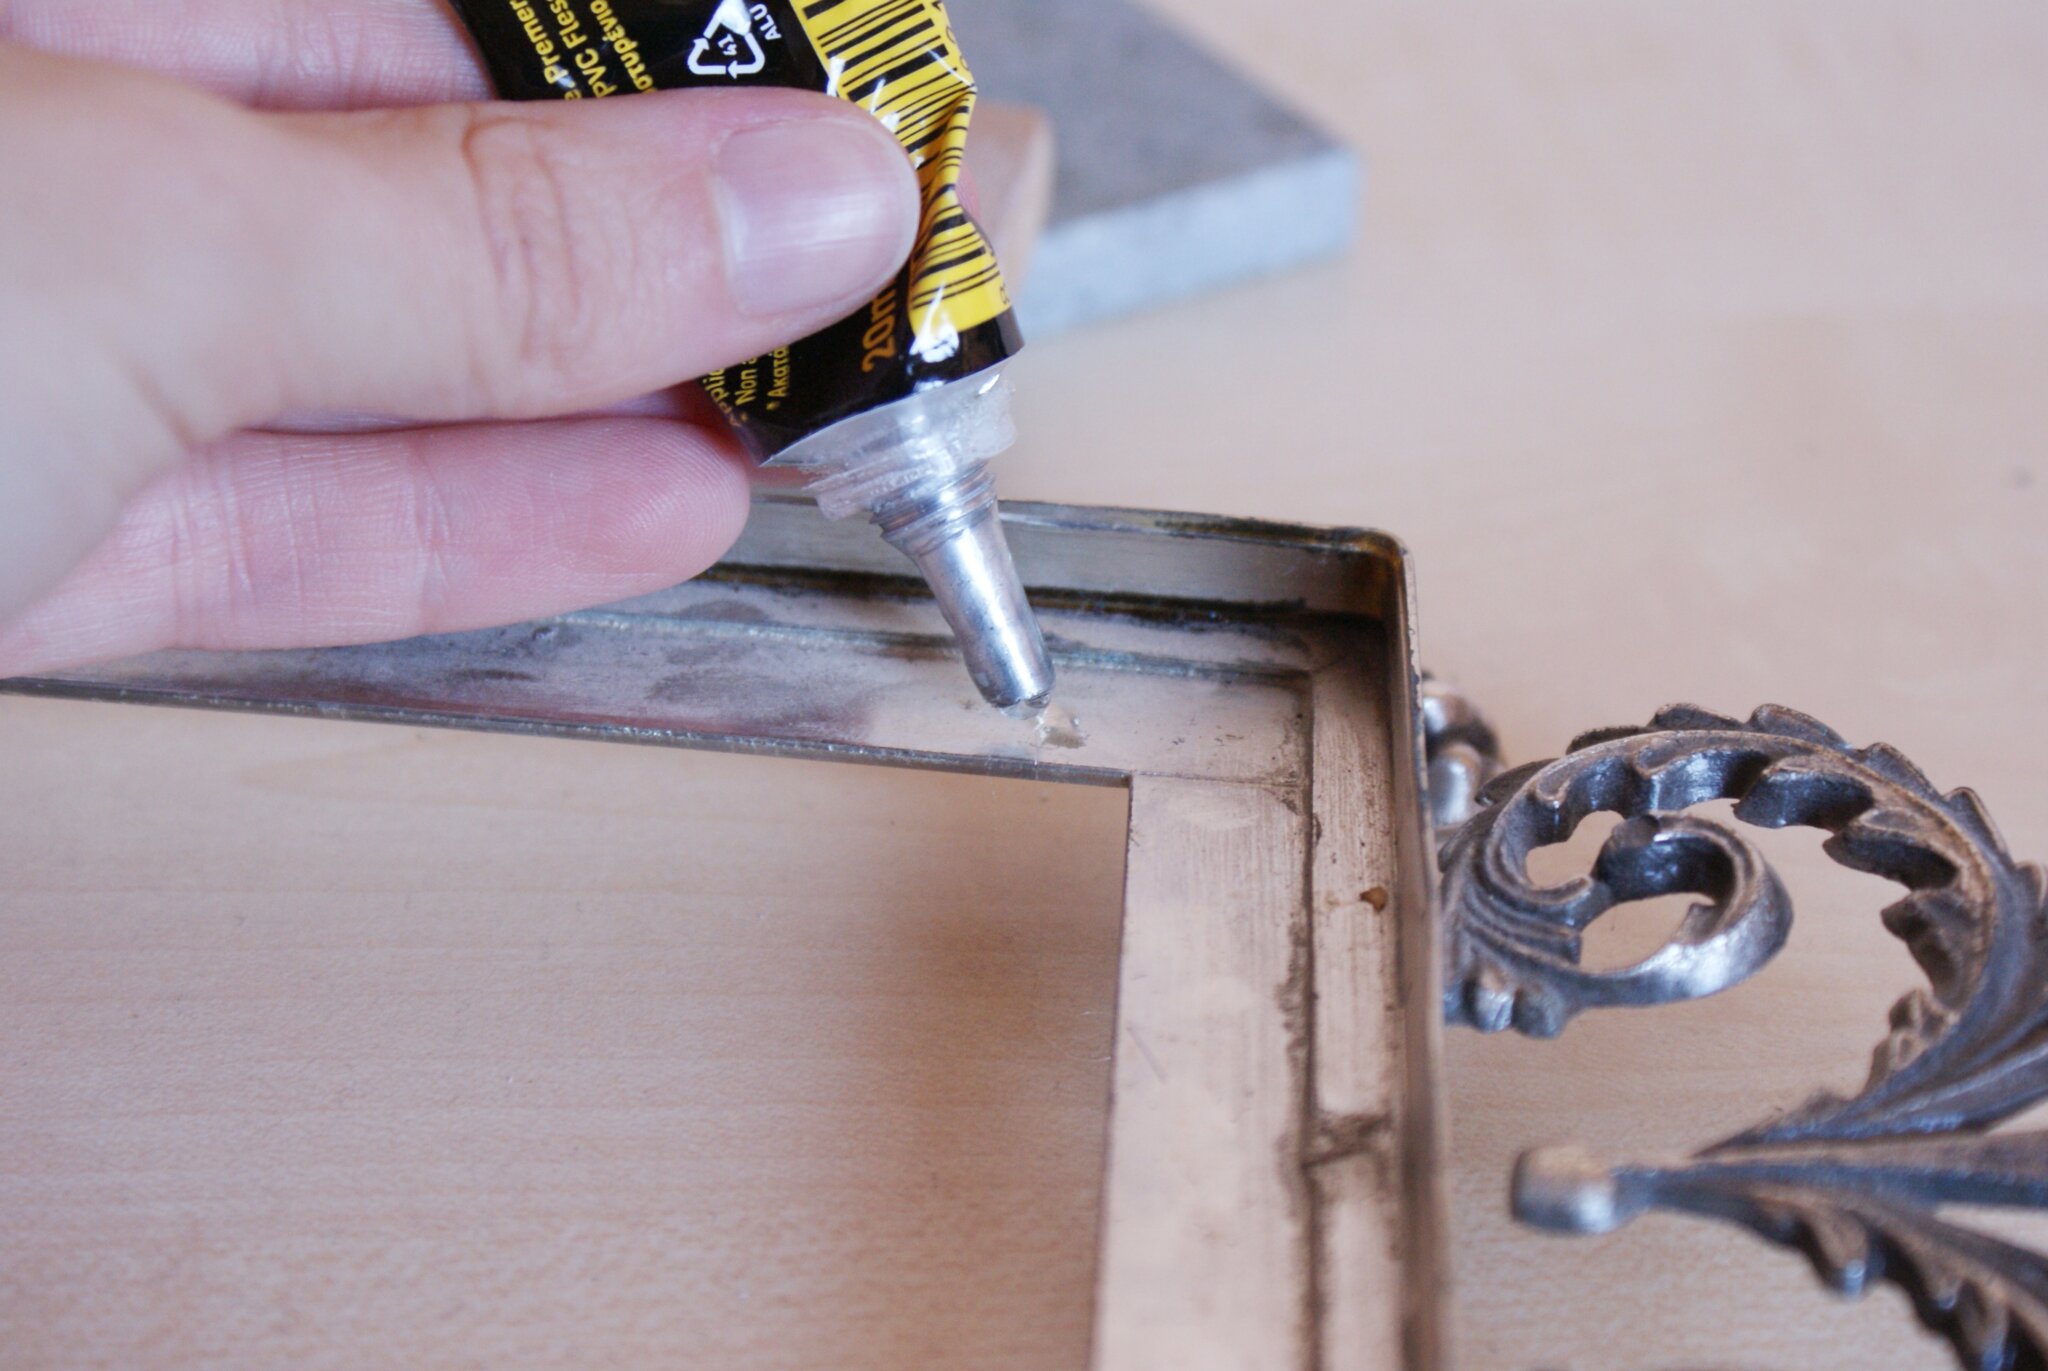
(1175, 174)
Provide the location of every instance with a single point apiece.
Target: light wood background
(346, 1046)
(1697, 350)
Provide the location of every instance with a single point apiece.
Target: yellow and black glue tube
(895, 410)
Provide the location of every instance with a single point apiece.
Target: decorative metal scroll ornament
(1851, 1182)
(1463, 753)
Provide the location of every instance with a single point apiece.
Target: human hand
(220, 275)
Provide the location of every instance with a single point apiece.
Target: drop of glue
(1055, 725)
(1058, 726)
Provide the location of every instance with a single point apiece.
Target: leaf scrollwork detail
(1852, 1181)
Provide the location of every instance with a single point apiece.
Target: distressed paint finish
(1205, 1257)
(1357, 904)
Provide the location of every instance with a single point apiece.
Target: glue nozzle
(918, 467)
(955, 539)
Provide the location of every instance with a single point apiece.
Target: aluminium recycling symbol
(728, 46)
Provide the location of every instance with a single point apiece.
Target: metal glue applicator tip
(918, 468)
(958, 547)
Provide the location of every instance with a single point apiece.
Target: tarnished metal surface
(804, 642)
(1855, 1182)
(1273, 1184)
(1463, 753)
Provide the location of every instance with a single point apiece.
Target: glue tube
(894, 411)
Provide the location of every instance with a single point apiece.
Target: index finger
(273, 54)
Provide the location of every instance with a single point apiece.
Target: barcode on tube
(897, 60)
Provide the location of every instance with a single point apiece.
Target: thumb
(444, 262)
(179, 267)
(547, 258)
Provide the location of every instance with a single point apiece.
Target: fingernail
(814, 212)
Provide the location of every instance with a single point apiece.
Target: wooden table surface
(1698, 353)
